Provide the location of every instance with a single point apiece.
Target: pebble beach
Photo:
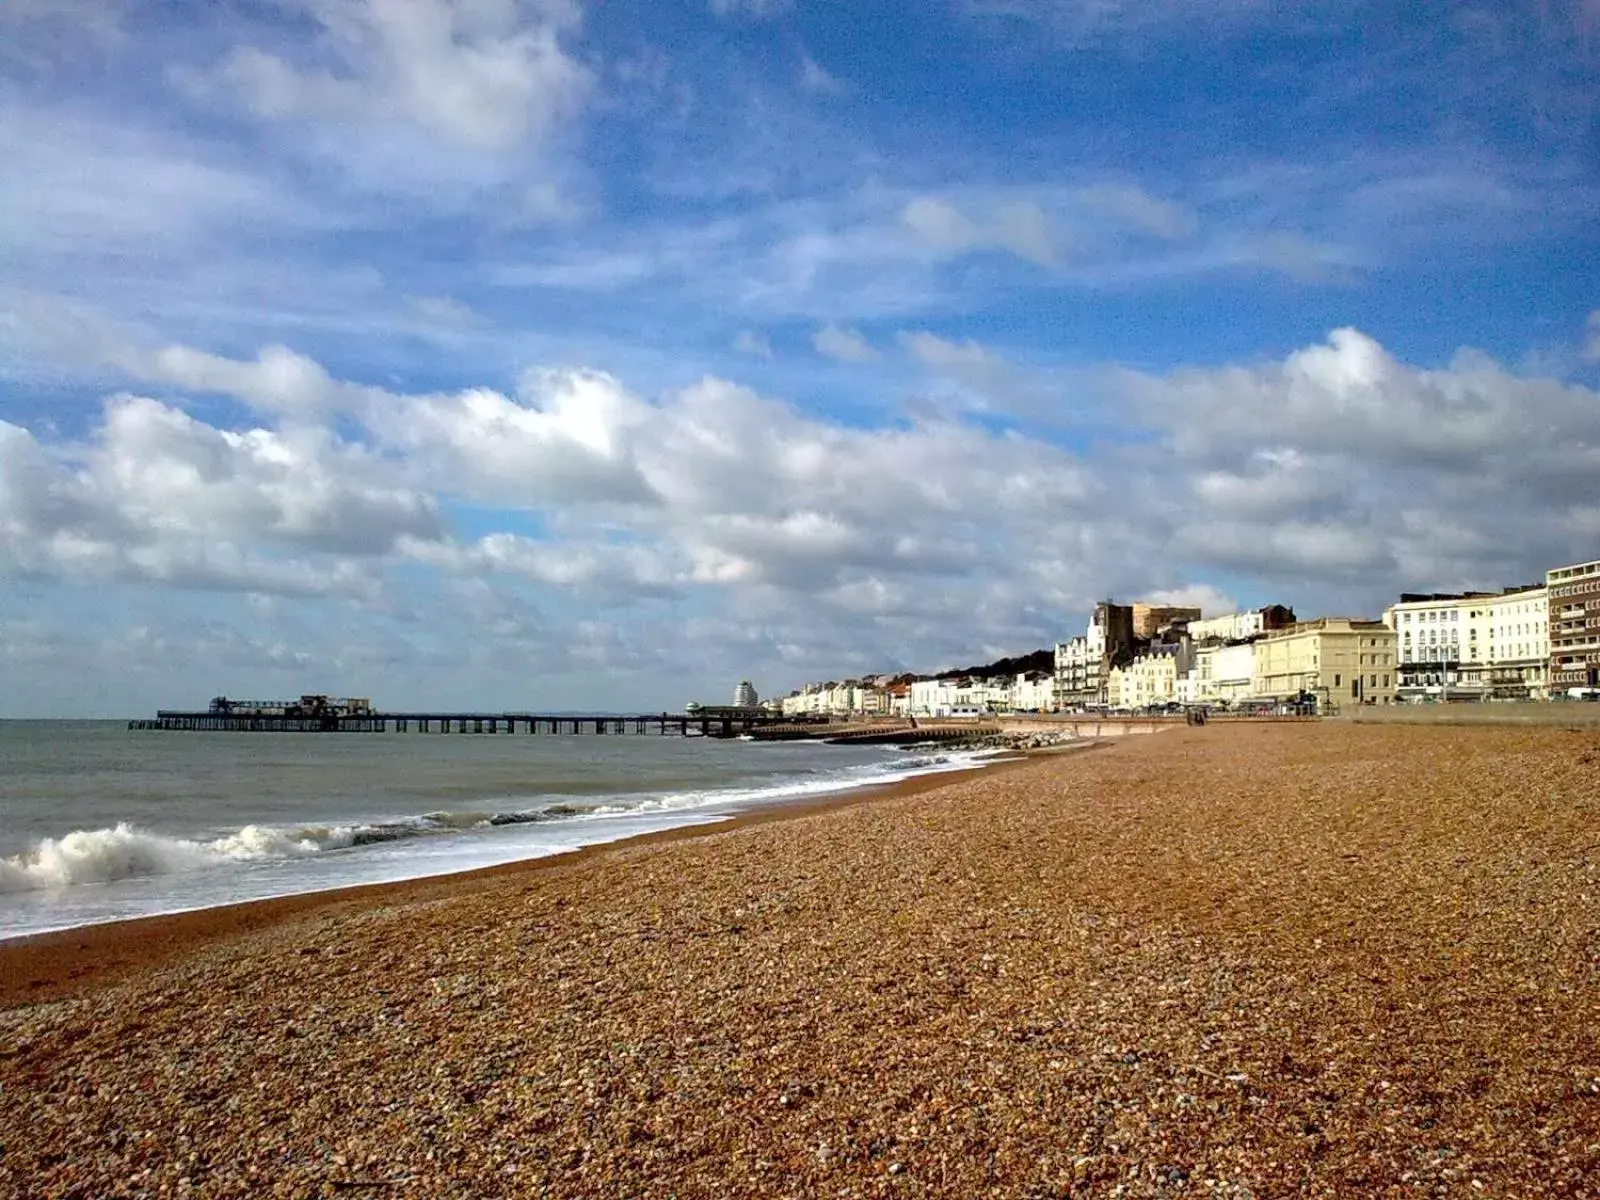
(1253, 960)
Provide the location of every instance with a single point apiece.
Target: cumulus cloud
(489, 76)
(842, 345)
(1211, 601)
(160, 497)
(1344, 465)
(623, 574)
(1329, 480)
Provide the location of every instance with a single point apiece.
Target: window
(1336, 681)
(1385, 681)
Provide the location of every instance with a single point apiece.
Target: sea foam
(124, 852)
(98, 856)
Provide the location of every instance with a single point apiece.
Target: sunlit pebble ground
(1247, 961)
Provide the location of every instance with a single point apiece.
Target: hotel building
(1472, 645)
(1337, 661)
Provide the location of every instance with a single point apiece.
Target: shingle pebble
(1308, 960)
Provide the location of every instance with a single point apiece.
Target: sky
(539, 354)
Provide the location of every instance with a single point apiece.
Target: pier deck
(681, 724)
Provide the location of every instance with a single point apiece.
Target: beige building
(1151, 619)
(1472, 645)
(1574, 616)
(1151, 678)
(1338, 662)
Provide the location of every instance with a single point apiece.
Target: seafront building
(1084, 664)
(1150, 678)
(1222, 674)
(1241, 626)
(1472, 645)
(1332, 662)
(1574, 623)
(1532, 642)
(1150, 619)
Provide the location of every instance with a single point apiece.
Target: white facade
(1235, 627)
(1222, 674)
(958, 697)
(1033, 695)
(744, 696)
(1473, 646)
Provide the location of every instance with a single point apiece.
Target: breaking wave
(100, 856)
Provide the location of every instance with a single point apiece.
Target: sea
(102, 823)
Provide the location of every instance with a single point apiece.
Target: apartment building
(1574, 624)
(1472, 645)
(1335, 661)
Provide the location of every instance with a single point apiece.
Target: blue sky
(552, 354)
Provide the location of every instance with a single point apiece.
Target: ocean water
(101, 823)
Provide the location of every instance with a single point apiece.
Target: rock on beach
(1247, 960)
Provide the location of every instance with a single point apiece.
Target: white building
(958, 697)
(1035, 694)
(1472, 645)
(1242, 626)
(1221, 674)
(744, 696)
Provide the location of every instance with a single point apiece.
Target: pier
(716, 725)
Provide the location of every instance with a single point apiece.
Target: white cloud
(1092, 21)
(749, 342)
(445, 312)
(749, 8)
(279, 380)
(1345, 466)
(568, 437)
(545, 203)
(1211, 601)
(485, 74)
(624, 574)
(1019, 227)
(1328, 480)
(815, 78)
(842, 345)
(1138, 209)
(1296, 256)
(42, 34)
(162, 498)
(935, 351)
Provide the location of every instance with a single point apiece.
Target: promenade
(1255, 960)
